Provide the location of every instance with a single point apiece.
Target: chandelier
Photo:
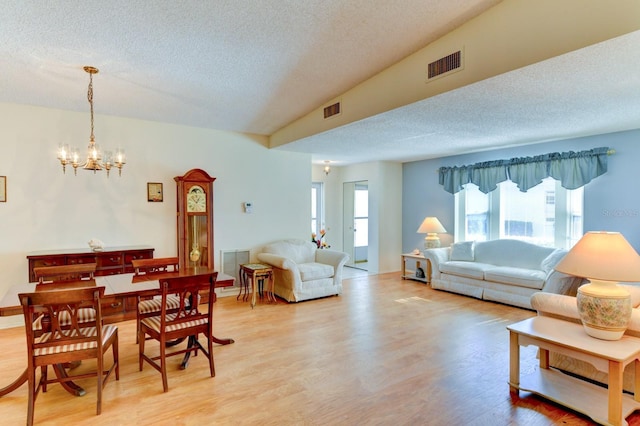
(95, 160)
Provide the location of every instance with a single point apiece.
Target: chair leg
(43, 377)
(116, 355)
(141, 340)
(31, 382)
(100, 368)
(163, 365)
(212, 368)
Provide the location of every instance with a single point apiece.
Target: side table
(416, 263)
(256, 274)
(605, 406)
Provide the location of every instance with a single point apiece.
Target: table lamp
(604, 258)
(432, 227)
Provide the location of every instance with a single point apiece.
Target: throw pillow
(549, 262)
(463, 251)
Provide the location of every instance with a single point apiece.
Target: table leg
(21, 380)
(70, 387)
(636, 380)
(255, 285)
(615, 392)
(514, 362)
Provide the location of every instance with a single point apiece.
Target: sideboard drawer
(109, 259)
(76, 260)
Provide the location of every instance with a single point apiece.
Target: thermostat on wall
(248, 207)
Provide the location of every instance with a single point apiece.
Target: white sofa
(302, 271)
(566, 308)
(506, 271)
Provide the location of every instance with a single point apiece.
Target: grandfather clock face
(196, 200)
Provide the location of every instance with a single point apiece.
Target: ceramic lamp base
(605, 309)
(431, 241)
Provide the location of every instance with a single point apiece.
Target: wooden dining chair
(65, 338)
(187, 322)
(152, 268)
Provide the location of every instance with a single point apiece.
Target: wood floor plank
(387, 352)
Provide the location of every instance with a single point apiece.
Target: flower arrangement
(318, 240)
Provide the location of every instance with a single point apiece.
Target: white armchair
(302, 271)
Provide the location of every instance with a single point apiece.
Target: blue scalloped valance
(572, 169)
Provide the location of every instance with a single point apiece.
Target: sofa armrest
(436, 256)
(555, 305)
(278, 261)
(561, 283)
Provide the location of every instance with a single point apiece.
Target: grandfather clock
(195, 219)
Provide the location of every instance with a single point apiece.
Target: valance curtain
(572, 169)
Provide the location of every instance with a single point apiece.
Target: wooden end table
(605, 406)
(256, 274)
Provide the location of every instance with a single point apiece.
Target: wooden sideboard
(110, 261)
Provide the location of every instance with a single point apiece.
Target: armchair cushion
(315, 271)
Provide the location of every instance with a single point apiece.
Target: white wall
(48, 210)
(385, 209)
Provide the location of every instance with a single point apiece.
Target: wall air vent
(445, 65)
(332, 110)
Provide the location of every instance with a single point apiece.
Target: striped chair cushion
(84, 315)
(107, 332)
(154, 323)
(155, 304)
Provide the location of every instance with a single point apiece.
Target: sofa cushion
(315, 271)
(465, 269)
(508, 252)
(521, 277)
(463, 251)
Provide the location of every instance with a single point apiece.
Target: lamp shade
(602, 256)
(431, 225)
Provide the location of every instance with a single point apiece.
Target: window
(547, 214)
(317, 220)
(361, 216)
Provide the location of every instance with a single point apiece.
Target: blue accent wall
(611, 201)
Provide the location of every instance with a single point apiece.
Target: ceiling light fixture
(327, 168)
(94, 159)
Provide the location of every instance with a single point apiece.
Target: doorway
(356, 223)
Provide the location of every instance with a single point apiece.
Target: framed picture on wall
(154, 192)
(3, 189)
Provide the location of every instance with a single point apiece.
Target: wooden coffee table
(605, 406)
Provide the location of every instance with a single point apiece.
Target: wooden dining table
(126, 285)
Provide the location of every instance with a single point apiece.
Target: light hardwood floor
(386, 352)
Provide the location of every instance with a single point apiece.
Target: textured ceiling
(255, 67)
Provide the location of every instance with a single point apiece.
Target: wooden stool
(256, 273)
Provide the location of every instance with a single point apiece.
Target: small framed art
(3, 189)
(154, 192)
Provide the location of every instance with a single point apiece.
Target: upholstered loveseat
(565, 307)
(302, 271)
(506, 271)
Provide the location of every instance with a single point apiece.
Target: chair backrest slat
(155, 265)
(64, 273)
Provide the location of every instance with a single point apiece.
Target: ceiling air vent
(448, 64)
(332, 110)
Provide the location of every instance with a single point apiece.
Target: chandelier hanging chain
(90, 98)
(94, 160)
